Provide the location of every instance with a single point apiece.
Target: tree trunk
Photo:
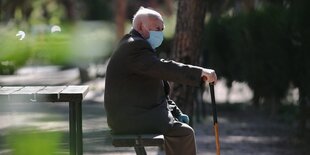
(303, 110)
(187, 47)
(70, 10)
(153, 4)
(217, 7)
(256, 101)
(120, 17)
(275, 104)
(169, 4)
(249, 5)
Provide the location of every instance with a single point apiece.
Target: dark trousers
(180, 140)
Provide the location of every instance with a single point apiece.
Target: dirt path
(247, 133)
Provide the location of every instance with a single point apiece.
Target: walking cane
(215, 125)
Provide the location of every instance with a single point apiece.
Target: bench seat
(137, 141)
(134, 140)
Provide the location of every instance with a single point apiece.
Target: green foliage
(33, 142)
(268, 58)
(14, 52)
(99, 10)
(73, 46)
(267, 48)
(76, 45)
(92, 41)
(53, 48)
(300, 45)
(288, 113)
(41, 48)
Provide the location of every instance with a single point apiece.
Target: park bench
(137, 141)
(70, 94)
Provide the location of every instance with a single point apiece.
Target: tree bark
(303, 112)
(70, 10)
(249, 5)
(169, 4)
(187, 47)
(120, 17)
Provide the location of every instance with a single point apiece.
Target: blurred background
(259, 49)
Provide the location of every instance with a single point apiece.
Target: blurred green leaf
(33, 142)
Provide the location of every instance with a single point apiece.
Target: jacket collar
(135, 33)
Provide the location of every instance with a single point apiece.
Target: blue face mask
(156, 38)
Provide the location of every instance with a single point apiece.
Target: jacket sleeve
(174, 109)
(143, 60)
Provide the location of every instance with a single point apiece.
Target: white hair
(142, 13)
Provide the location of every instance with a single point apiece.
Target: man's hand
(183, 118)
(209, 75)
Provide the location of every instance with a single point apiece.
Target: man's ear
(140, 27)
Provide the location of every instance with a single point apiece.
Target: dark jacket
(134, 99)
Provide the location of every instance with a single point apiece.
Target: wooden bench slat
(6, 91)
(52, 90)
(25, 94)
(43, 93)
(136, 140)
(9, 90)
(50, 93)
(76, 92)
(28, 90)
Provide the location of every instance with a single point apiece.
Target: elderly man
(136, 90)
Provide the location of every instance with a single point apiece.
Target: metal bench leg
(72, 128)
(76, 134)
(79, 133)
(140, 150)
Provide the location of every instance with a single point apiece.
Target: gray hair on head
(142, 13)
